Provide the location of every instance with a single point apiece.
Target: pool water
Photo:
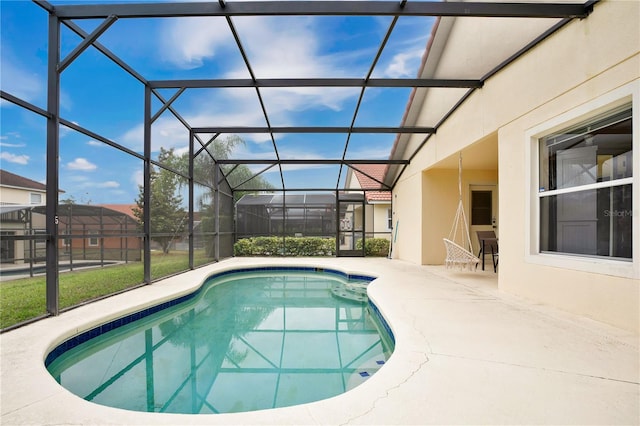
(248, 341)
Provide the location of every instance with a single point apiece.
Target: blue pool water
(245, 341)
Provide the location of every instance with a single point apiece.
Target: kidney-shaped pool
(246, 340)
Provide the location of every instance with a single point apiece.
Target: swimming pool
(247, 340)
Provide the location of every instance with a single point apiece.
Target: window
(389, 218)
(585, 188)
(93, 241)
(35, 198)
(481, 208)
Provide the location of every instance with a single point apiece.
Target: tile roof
(377, 172)
(378, 196)
(122, 208)
(10, 179)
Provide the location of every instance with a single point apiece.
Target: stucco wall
(18, 196)
(610, 62)
(380, 217)
(439, 203)
(407, 214)
(585, 61)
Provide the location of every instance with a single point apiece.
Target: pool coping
(420, 383)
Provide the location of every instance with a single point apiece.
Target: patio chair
(488, 240)
(458, 257)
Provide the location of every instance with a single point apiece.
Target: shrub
(293, 246)
(303, 246)
(243, 247)
(374, 246)
(267, 246)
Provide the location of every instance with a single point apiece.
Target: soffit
(465, 48)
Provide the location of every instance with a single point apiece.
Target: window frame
(629, 268)
(31, 195)
(93, 235)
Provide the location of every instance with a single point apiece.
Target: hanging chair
(458, 256)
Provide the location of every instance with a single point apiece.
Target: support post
(146, 197)
(53, 121)
(337, 218)
(216, 180)
(191, 201)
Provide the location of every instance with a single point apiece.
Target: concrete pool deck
(465, 353)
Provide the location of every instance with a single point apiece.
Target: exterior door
(484, 212)
(350, 228)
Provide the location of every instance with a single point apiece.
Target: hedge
(374, 246)
(293, 246)
(303, 246)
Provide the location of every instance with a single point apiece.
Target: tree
(204, 172)
(220, 149)
(168, 218)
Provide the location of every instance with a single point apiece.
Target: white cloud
(133, 138)
(282, 48)
(95, 143)
(370, 153)
(64, 130)
(108, 184)
(404, 64)
(295, 167)
(12, 145)
(66, 103)
(138, 178)
(166, 132)
(187, 42)
(290, 47)
(24, 84)
(12, 158)
(81, 164)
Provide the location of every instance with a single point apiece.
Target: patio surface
(465, 353)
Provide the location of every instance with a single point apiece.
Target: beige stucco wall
(380, 219)
(10, 195)
(585, 61)
(407, 214)
(439, 205)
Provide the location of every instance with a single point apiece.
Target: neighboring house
(99, 232)
(20, 190)
(88, 232)
(548, 147)
(378, 220)
(17, 195)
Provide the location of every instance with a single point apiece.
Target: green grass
(25, 298)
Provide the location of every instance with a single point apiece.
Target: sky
(98, 95)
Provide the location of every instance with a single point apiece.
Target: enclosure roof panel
(290, 200)
(465, 47)
(291, 93)
(323, 8)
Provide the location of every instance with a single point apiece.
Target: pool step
(356, 292)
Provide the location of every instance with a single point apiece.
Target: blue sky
(99, 96)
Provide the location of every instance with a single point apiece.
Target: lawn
(25, 298)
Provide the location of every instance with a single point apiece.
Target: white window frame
(31, 195)
(93, 236)
(629, 93)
